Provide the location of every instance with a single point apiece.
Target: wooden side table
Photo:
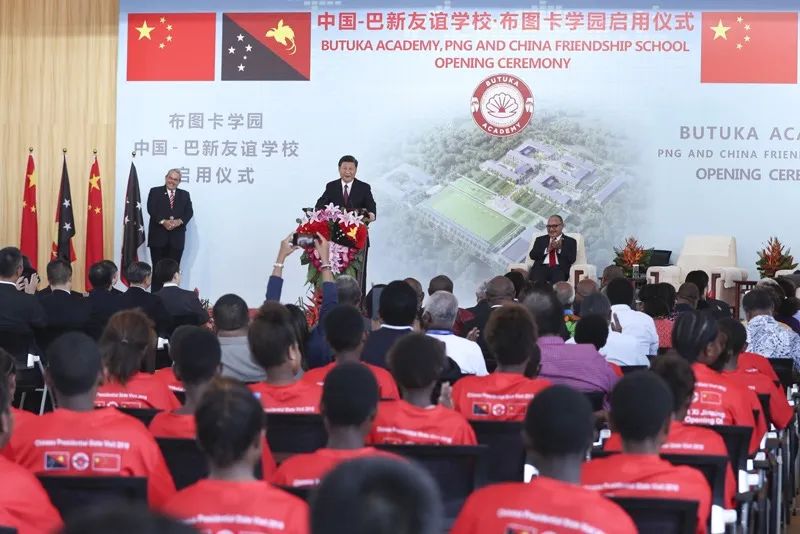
(742, 287)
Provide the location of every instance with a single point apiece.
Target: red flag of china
(748, 47)
(29, 232)
(171, 46)
(94, 221)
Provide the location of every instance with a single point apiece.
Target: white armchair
(580, 269)
(714, 254)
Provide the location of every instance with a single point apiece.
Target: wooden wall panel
(58, 63)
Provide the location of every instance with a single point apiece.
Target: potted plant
(773, 259)
(632, 253)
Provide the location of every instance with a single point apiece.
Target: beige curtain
(58, 62)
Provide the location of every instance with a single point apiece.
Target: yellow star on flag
(720, 30)
(163, 20)
(739, 20)
(97, 211)
(738, 46)
(24, 204)
(33, 209)
(747, 27)
(94, 182)
(747, 38)
(144, 31)
(32, 179)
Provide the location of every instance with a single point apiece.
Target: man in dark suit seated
(553, 254)
(180, 303)
(719, 309)
(20, 310)
(104, 301)
(170, 210)
(64, 310)
(114, 276)
(500, 290)
(397, 309)
(140, 275)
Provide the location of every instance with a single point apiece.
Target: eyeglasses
(553, 225)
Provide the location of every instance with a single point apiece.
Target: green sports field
(463, 210)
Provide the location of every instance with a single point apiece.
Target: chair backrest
(17, 344)
(458, 471)
(295, 433)
(763, 398)
(700, 252)
(506, 458)
(712, 467)
(303, 492)
(596, 399)
(660, 515)
(145, 415)
(185, 461)
(737, 441)
(784, 369)
(73, 495)
(631, 368)
(8, 530)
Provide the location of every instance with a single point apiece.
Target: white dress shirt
(467, 354)
(621, 349)
(547, 252)
(349, 187)
(639, 325)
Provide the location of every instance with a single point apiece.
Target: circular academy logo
(80, 461)
(502, 105)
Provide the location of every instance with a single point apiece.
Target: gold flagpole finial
(94, 151)
(30, 150)
(64, 150)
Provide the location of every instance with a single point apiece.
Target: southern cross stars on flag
(65, 222)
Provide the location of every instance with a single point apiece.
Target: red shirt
(779, 410)
(496, 397)
(401, 423)
(719, 401)
(297, 397)
(182, 426)
(24, 503)
(20, 418)
(690, 440)
(387, 388)
(751, 360)
(227, 506)
(543, 505)
(143, 390)
(308, 469)
(167, 376)
(648, 476)
(96, 443)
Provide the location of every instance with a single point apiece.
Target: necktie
(171, 199)
(552, 258)
(346, 195)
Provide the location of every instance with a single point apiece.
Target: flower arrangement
(773, 258)
(632, 254)
(347, 234)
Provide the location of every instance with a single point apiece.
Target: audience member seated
(231, 321)
(780, 411)
(416, 362)
(377, 496)
(717, 400)
(63, 309)
(345, 330)
(180, 303)
(274, 346)
(683, 438)
(120, 445)
(349, 402)
(444, 283)
(765, 336)
(583, 289)
(139, 275)
(505, 394)
(417, 287)
(634, 323)
(791, 302)
(104, 301)
(687, 297)
(756, 363)
(24, 504)
(718, 308)
(230, 431)
(566, 297)
(499, 291)
(518, 279)
(348, 292)
(579, 366)
(559, 428)
(641, 410)
(619, 348)
(611, 273)
(20, 310)
(8, 375)
(783, 308)
(167, 374)
(127, 341)
(112, 268)
(438, 319)
(299, 323)
(397, 310)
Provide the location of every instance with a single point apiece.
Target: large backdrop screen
(472, 122)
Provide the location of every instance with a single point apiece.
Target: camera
(303, 240)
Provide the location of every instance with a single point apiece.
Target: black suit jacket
(360, 196)
(48, 290)
(480, 312)
(719, 309)
(151, 305)
(378, 344)
(103, 304)
(65, 310)
(566, 256)
(19, 312)
(182, 302)
(158, 209)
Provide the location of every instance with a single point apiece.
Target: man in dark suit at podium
(350, 194)
(553, 254)
(170, 210)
